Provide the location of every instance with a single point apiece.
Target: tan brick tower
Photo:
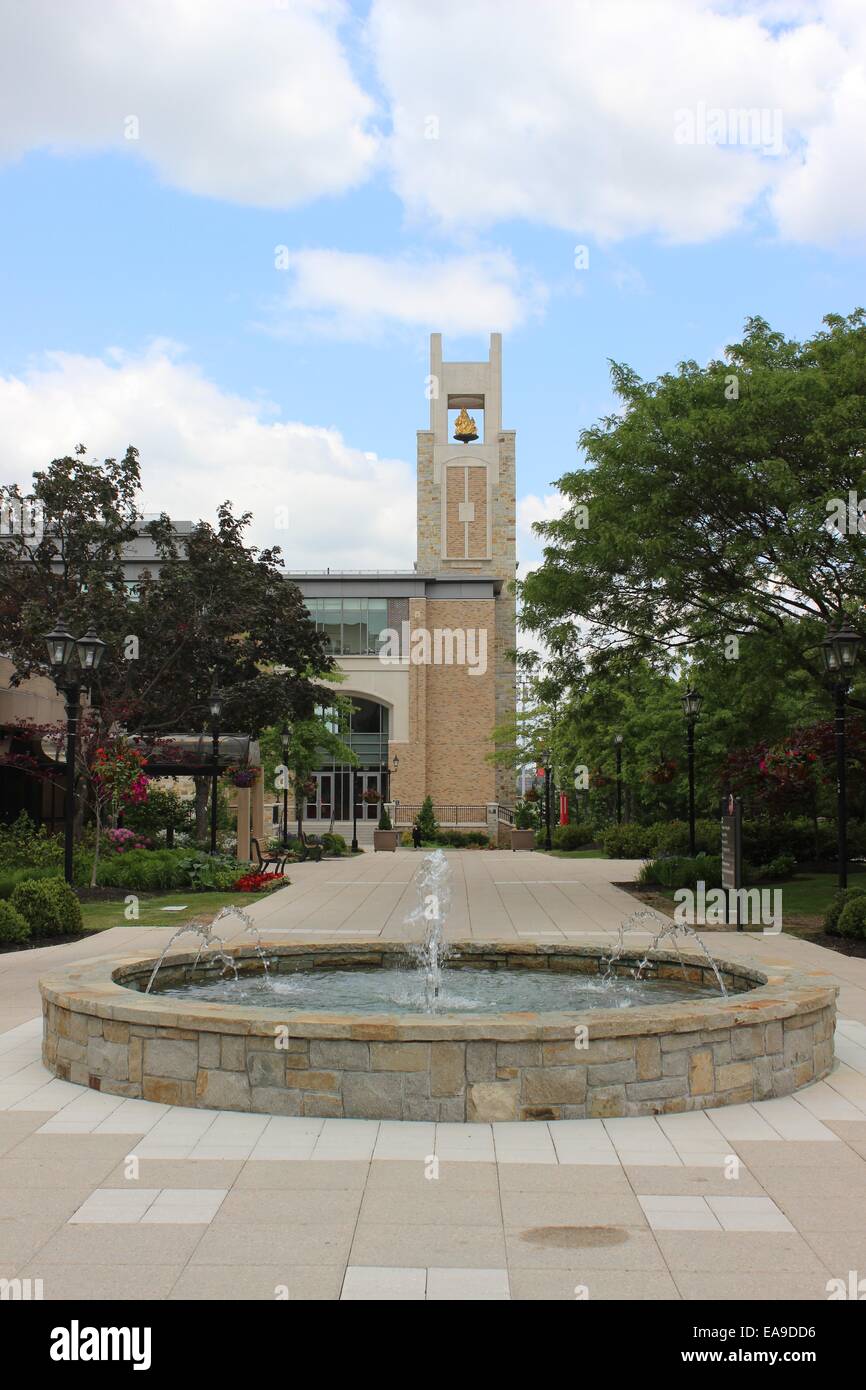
(467, 531)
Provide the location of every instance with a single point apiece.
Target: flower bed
(259, 883)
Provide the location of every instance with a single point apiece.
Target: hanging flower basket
(599, 779)
(371, 797)
(309, 787)
(532, 794)
(242, 776)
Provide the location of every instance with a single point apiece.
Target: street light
(285, 746)
(839, 652)
(63, 651)
(617, 743)
(216, 704)
(354, 780)
(545, 762)
(692, 702)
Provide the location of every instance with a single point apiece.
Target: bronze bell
(464, 428)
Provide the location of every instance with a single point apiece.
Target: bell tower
(467, 506)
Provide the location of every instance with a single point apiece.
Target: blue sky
(139, 298)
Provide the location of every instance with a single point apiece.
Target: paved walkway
(761, 1201)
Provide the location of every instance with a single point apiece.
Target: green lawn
(99, 916)
(805, 895)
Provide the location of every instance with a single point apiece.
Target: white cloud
(351, 295)
(532, 508)
(248, 100)
(200, 446)
(564, 114)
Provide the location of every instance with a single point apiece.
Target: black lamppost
(63, 649)
(285, 743)
(839, 652)
(547, 777)
(354, 782)
(216, 704)
(617, 743)
(692, 702)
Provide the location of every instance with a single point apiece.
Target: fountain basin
(771, 1035)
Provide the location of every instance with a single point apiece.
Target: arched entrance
(367, 736)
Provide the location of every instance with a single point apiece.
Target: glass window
(330, 621)
(313, 608)
(354, 626)
(377, 621)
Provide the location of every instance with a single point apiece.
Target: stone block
(606, 1102)
(267, 1069)
(447, 1068)
(223, 1090)
(168, 1092)
(519, 1054)
(274, 1100)
(373, 1095)
(233, 1056)
(611, 1073)
(325, 1081)
(108, 1059)
(115, 1032)
(701, 1072)
(408, 1056)
(734, 1075)
(321, 1106)
(492, 1100)
(171, 1058)
(340, 1054)
(554, 1086)
(746, 1042)
(208, 1050)
(481, 1061)
(648, 1058)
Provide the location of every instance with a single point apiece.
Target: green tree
(704, 510)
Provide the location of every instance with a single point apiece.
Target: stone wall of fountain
(760, 1036)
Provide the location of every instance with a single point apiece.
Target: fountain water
(668, 931)
(210, 941)
(433, 886)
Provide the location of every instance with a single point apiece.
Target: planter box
(523, 839)
(385, 840)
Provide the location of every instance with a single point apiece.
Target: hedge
(13, 927)
(49, 906)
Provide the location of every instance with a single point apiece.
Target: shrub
(627, 841)
(526, 816)
(48, 905)
(852, 918)
(782, 866)
(461, 839)
(10, 878)
(573, 836)
(406, 839)
(838, 902)
(335, 844)
(426, 820)
(13, 927)
(24, 846)
(385, 819)
(679, 871)
(672, 837)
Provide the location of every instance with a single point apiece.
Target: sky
(228, 227)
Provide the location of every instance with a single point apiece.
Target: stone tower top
(468, 386)
(466, 483)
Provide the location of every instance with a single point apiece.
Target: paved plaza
(102, 1197)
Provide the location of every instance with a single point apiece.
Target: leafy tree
(705, 508)
(426, 820)
(220, 610)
